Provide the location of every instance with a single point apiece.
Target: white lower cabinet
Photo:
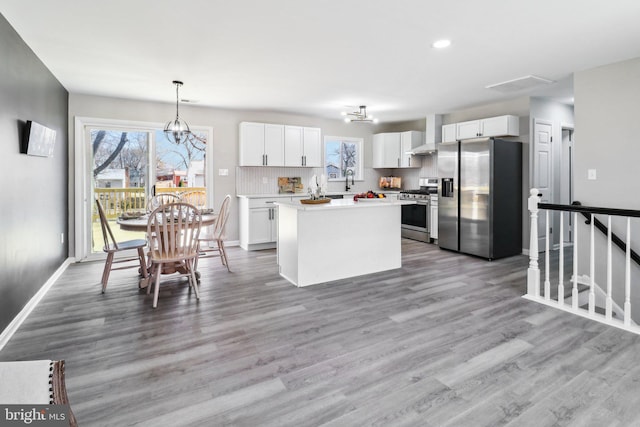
(262, 227)
(258, 223)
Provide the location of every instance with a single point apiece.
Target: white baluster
(533, 273)
(609, 301)
(574, 290)
(561, 264)
(547, 284)
(627, 278)
(592, 269)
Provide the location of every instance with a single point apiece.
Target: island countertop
(345, 204)
(321, 243)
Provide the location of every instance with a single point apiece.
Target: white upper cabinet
(293, 149)
(386, 149)
(274, 145)
(449, 133)
(501, 126)
(466, 130)
(302, 146)
(493, 126)
(261, 144)
(251, 144)
(312, 138)
(389, 149)
(408, 140)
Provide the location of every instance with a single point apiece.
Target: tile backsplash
(264, 180)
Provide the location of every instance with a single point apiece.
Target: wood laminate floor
(446, 340)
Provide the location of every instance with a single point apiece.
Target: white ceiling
(315, 57)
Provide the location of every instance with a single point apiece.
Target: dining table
(135, 222)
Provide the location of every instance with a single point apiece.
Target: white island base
(338, 240)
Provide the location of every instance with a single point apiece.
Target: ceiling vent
(521, 83)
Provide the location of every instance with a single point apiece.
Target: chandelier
(359, 116)
(177, 130)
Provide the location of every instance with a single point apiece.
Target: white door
(543, 171)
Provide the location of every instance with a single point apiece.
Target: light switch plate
(223, 172)
(591, 174)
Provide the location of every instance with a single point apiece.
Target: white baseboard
(232, 242)
(33, 302)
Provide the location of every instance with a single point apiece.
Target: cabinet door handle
(398, 162)
(270, 210)
(266, 160)
(263, 160)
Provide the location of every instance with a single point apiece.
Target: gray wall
(34, 191)
(607, 105)
(225, 125)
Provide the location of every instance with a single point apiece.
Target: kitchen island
(338, 240)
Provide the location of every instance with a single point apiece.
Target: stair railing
(533, 272)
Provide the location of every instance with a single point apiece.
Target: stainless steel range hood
(433, 133)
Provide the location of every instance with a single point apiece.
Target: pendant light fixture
(359, 116)
(177, 131)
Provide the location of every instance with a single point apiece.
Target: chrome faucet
(346, 174)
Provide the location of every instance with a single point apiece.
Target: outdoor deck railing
(117, 201)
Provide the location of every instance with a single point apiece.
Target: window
(342, 154)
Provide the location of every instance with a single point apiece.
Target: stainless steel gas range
(416, 218)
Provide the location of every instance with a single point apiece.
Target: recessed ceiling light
(441, 44)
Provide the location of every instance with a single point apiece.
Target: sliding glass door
(119, 177)
(122, 165)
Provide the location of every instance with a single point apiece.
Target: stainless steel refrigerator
(480, 197)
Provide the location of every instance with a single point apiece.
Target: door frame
(570, 160)
(82, 205)
(533, 172)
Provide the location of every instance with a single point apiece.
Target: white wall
(225, 138)
(607, 106)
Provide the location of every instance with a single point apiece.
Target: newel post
(533, 273)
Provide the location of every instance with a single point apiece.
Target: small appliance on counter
(416, 219)
(289, 185)
(390, 182)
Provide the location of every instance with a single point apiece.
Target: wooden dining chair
(197, 198)
(161, 199)
(216, 237)
(111, 247)
(175, 229)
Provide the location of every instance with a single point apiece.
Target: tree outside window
(342, 154)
